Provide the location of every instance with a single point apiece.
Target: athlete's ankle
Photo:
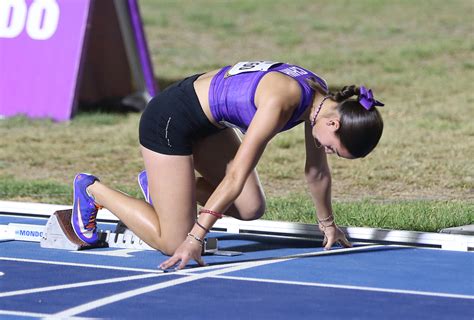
(90, 192)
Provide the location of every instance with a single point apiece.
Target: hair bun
(346, 92)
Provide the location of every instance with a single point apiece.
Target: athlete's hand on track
(189, 249)
(333, 234)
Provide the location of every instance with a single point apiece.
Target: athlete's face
(324, 133)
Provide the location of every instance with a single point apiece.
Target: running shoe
(84, 210)
(143, 183)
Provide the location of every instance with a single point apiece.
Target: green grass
(34, 190)
(47, 191)
(429, 216)
(416, 55)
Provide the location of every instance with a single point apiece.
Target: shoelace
(92, 219)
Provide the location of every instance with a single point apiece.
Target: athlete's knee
(154, 244)
(154, 241)
(162, 246)
(160, 242)
(171, 244)
(253, 211)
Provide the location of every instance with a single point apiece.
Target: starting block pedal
(210, 246)
(59, 234)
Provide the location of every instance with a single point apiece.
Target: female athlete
(189, 127)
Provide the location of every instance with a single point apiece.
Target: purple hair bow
(366, 98)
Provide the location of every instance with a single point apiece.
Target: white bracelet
(201, 242)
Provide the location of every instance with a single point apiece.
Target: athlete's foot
(84, 210)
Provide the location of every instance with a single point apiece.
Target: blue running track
(274, 278)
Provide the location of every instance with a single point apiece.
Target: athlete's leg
(212, 156)
(171, 183)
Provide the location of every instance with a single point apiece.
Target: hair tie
(366, 99)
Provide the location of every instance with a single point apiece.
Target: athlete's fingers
(169, 263)
(200, 261)
(345, 243)
(329, 243)
(325, 241)
(183, 264)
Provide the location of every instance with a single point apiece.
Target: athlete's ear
(334, 124)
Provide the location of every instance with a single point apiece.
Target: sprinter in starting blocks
(58, 234)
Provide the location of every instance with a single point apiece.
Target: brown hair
(360, 129)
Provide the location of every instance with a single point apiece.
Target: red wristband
(215, 214)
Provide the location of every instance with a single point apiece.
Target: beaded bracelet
(202, 227)
(201, 242)
(329, 219)
(323, 227)
(215, 214)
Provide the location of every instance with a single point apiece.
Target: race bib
(250, 66)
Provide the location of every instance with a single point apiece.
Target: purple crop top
(232, 92)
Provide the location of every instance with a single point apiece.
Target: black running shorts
(174, 120)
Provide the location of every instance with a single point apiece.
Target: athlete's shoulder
(280, 89)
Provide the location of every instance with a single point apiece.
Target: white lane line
(361, 288)
(186, 271)
(193, 277)
(132, 293)
(34, 315)
(297, 255)
(79, 284)
(123, 253)
(82, 265)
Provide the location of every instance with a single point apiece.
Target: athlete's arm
(267, 122)
(274, 109)
(276, 98)
(318, 175)
(318, 178)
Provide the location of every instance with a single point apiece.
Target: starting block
(59, 234)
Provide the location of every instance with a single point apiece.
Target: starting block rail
(58, 234)
(447, 241)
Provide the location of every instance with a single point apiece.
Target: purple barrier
(43, 49)
(142, 47)
(41, 44)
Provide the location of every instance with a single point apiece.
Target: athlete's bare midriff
(201, 86)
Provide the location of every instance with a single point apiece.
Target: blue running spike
(84, 210)
(143, 183)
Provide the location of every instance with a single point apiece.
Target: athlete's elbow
(317, 176)
(234, 182)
